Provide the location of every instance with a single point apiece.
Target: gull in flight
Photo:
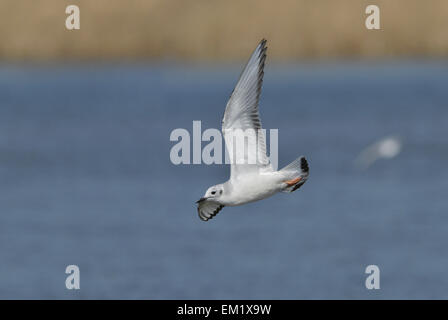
(386, 148)
(252, 177)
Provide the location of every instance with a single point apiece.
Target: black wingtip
(304, 165)
(262, 44)
(203, 217)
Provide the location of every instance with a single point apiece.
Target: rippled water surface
(86, 179)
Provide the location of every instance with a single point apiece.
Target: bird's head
(213, 193)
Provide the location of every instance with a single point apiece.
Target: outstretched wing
(242, 120)
(207, 209)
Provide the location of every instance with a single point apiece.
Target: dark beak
(201, 200)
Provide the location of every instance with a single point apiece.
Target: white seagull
(249, 180)
(386, 148)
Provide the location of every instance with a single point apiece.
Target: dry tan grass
(220, 29)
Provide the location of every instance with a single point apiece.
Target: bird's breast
(252, 189)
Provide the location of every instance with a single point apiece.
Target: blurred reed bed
(220, 29)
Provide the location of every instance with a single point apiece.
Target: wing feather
(242, 117)
(208, 209)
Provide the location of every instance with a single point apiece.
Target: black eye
(213, 192)
(220, 191)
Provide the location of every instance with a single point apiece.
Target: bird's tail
(296, 174)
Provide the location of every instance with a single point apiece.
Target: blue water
(86, 179)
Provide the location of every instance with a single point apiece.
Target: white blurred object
(386, 148)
